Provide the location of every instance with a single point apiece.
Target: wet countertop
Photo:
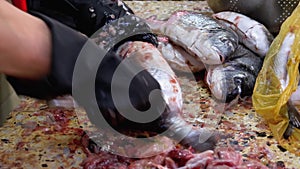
(30, 139)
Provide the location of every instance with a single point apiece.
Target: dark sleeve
(66, 45)
(65, 21)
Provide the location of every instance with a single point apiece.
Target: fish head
(228, 83)
(215, 80)
(223, 44)
(234, 87)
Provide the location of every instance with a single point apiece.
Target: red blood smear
(181, 156)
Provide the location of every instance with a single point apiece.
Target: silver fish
(199, 34)
(236, 77)
(252, 34)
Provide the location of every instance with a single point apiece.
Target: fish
(240, 42)
(280, 68)
(137, 47)
(236, 77)
(149, 57)
(281, 59)
(252, 34)
(178, 58)
(199, 34)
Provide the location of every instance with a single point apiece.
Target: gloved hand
(86, 17)
(271, 13)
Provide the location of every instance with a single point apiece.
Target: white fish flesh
(281, 59)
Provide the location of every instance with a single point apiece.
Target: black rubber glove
(67, 44)
(86, 16)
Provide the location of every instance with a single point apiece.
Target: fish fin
(294, 115)
(232, 103)
(294, 118)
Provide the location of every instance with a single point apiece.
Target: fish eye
(238, 80)
(224, 39)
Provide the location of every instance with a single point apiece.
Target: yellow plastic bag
(269, 100)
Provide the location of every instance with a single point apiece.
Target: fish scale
(199, 34)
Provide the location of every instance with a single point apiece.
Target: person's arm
(25, 46)
(67, 44)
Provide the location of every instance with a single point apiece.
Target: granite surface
(251, 134)
(20, 145)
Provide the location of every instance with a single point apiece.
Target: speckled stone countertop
(163, 9)
(32, 138)
(251, 134)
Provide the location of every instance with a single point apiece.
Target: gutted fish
(178, 58)
(252, 34)
(199, 34)
(236, 77)
(149, 57)
(136, 47)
